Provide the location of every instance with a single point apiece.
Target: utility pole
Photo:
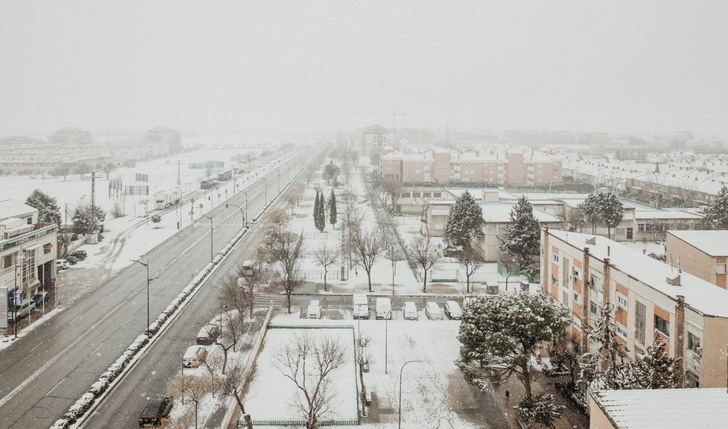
(211, 237)
(146, 266)
(93, 202)
(401, 369)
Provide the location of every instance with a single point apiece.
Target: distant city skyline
(623, 67)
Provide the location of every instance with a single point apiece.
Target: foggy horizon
(648, 68)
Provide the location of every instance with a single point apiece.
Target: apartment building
(487, 167)
(28, 252)
(701, 253)
(649, 299)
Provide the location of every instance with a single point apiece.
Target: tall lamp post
(146, 266)
(241, 212)
(211, 242)
(401, 369)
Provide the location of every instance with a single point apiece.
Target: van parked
(452, 310)
(194, 356)
(432, 310)
(383, 308)
(361, 306)
(410, 311)
(207, 335)
(314, 310)
(20, 311)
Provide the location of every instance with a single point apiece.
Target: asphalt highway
(46, 371)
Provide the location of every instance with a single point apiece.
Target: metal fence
(314, 275)
(296, 422)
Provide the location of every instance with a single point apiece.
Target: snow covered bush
(60, 424)
(542, 409)
(99, 387)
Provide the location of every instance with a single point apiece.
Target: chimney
(609, 250)
(592, 241)
(585, 301)
(674, 281)
(607, 279)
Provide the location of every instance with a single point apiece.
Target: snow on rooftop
(498, 212)
(714, 243)
(700, 295)
(13, 208)
(704, 408)
(664, 214)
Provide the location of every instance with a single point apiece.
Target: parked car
(207, 335)
(194, 356)
(80, 254)
(20, 311)
(72, 259)
(314, 310)
(409, 309)
(383, 308)
(155, 410)
(40, 297)
(452, 310)
(61, 264)
(361, 306)
(432, 310)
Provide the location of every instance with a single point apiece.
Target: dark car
(40, 297)
(155, 410)
(80, 254)
(72, 259)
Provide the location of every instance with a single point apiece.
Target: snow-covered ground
(271, 396)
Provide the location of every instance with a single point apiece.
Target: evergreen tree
(655, 370)
(332, 208)
(316, 211)
(464, 221)
(610, 211)
(498, 335)
(716, 215)
(84, 221)
(322, 213)
(523, 235)
(604, 368)
(543, 409)
(48, 210)
(588, 211)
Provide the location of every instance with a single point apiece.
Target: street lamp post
(401, 369)
(146, 266)
(246, 208)
(211, 238)
(386, 339)
(241, 212)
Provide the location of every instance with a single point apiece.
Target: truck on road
(164, 199)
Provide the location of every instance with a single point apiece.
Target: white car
(409, 310)
(314, 310)
(360, 303)
(383, 308)
(194, 356)
(432, 310)
(452, 310)
(61, 264)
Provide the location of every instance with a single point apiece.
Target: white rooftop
(14, 208)
(500, 212)
(664, 214)
(705, 408)
(700, 295)
(714, 243)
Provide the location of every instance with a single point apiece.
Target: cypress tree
(464, 221)
(523, 235)
(332, 208)
(316, 211)
(322, 213)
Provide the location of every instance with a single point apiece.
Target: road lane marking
(54, 387)
(97, 348)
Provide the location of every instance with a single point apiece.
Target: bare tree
(277, 220)
(308, 363)
(367, 247)
(325, 257)
(426, 254)
(247, 281)
(471, 261)
(232, 385)
(214, 364)
(191, 387)
(236, 294)
(392, 187)
(286, 250)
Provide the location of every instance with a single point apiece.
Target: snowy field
(271, 396)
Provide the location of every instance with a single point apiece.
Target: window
(621, 330)
(662, 325)
(565, 297)
(426, 194)
(640, 327)
(415, 194)
(437, 194)
(565, 272)
(576, 297)
(720, 268)
(691, 380)
(641, 227)
(556, 257)
(592, 308)
(7, 261)
(405, 194)
(694, 344)
(595, 282)
(29, 221)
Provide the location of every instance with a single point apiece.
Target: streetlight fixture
(401, 369)
(211, 239)
(241, 211)
(146, 266)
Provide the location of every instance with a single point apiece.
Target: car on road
(452, 310)
(20, 311)
(409, 309)
(72, 259)
(361, 306)
(155, 411)
(432, 310)
(40, 297)
(61, 264)
(194, 356)
(383, 308)
(80, 254)
(207, 335)
(314, 310)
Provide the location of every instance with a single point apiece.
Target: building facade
(701, 253)
(649, 299)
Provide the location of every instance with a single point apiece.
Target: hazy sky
(303, 65)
